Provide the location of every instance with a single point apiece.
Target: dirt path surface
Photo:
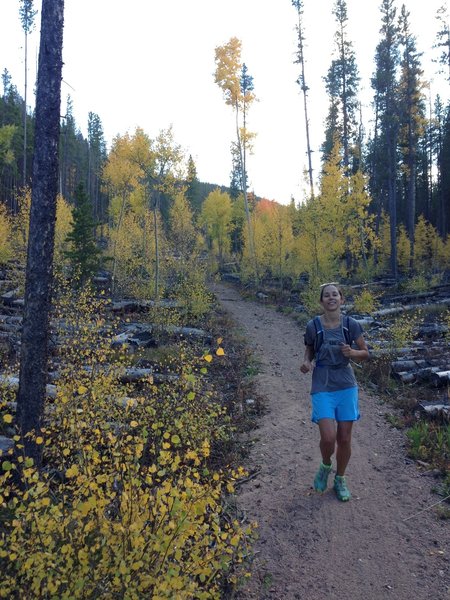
(311, 546)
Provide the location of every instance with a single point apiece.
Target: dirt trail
(311, 546)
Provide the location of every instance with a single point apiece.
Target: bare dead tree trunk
(25, 114)
(241, 148)
(34, 350)
(302, 83)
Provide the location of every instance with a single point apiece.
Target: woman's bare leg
(327, 430)
(344, 445)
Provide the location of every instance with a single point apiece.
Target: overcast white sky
(150, 63)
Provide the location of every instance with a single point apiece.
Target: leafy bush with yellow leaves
(127, 504)
(366, 301)
(5, 235)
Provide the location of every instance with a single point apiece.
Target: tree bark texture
(33, 359)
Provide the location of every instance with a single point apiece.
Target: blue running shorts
(341, 405)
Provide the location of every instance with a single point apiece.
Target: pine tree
(97, 159)
(443, 40)
(84, 253)
(444, 181)
(411, 120)
(383, 155)
(342, 83)
(193, 189)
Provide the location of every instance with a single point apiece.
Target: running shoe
(341, 489)
(321, 478)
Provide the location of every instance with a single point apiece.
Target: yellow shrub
(129, 505)
(366, 301)
(5, 236)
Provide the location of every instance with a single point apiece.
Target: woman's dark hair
(325, 285)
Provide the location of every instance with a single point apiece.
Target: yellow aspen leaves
(39, 440)
(7, 418)
(73, 471)
(205, 448)
(220, 352)
(134, 424)
(82, 390)
(208, 358)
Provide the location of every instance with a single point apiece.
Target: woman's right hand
(306, 367)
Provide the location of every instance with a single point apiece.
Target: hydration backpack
(318, 340)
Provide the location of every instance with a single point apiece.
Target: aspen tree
(237, 87)
(216, 218)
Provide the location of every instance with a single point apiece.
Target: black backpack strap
(318, 339)
(346, 329)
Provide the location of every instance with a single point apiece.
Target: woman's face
(331, 298)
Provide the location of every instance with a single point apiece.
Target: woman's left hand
(346, 350)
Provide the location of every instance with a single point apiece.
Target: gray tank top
(332, 371)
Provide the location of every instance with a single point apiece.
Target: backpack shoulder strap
(319, 334)
(346, 329)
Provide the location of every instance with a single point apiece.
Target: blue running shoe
(321, 478)
(341, 489)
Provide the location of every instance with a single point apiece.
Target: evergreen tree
(97, 159)
(437, 206)
(383, 153)
(444, 182)
(236, 179)
(74, 155)
(411, 121)
(84, 253)
(193, 188)
(342, 83)
(443, 40)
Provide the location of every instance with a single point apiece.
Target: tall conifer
(342, 83)
(383, 156)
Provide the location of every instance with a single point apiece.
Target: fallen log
(12, 382)
(137, 375)
(9, 297)
(424, 374)
(435, 409)
(406, 308)
(140, 305)
(407, 365)
(440, 378)
(431, 329)
(6, 444)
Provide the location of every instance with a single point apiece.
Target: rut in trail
(311, 546)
